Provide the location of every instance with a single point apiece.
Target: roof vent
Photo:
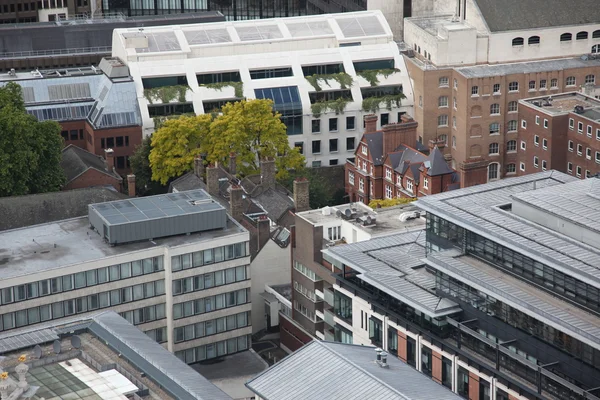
(578, 109)
(381, 358)
(366, 220)
(405, 216)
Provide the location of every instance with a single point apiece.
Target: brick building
(386, 166)
(84, 169)
(558, 132)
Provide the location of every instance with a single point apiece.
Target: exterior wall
(292, 335)
(91, 178)
(272, 267)
(25, 11)
(94, 142)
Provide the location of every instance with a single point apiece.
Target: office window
(580, 127)
(571, 146)
(523, 124)
(589, 131)
(545, 123)
(543, 84)
(536, 140)
(385, 119)
(544, 165)
(522, 166)
(531, 85)
(537, 119)
(350, 144)
(590, 79)
(426, 360)
(300, 146)
(316, 147)
(316, 125)
(535, 161)
(578, 171)
(511, 126)
(588, 153)
(569, 167)
(544, 144)
(350, 123)
(455, 83)
(333, 124)
(333, 145)
(571, 123)
(493, 171)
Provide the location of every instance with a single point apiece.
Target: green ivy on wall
(166, 94)
(372, 75)
(342, 78)
(372, 104)
(238, 87)
(338, 106)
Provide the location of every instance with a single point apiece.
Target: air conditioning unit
(405, 216)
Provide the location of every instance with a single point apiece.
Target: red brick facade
(552, 135)
(387, 166)
(91, 178)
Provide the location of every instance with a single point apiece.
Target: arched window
(596, 49)
(443, 101)
(511, 145)
(518, 41)
(495, 108)
(493, 171)
(494, 128)
(596, 34)
(566, 37)
(581, 35)
(533, 40)
(494, 149)
(511, 126)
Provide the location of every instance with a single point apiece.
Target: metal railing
(57, 52)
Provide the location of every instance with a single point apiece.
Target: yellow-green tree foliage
(251, 130)
(390, 202)
(248, 128)
(176, 144)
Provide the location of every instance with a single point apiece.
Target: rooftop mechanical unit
(146, 218)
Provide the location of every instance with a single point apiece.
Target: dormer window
(399, 180)
(364, 150)
(426, 183)
(409, 185)
(388, 174)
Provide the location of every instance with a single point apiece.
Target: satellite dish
(348, 212)
(56, 346)
(37, 351)
(76, 341)
(369, 220)
(338, 213)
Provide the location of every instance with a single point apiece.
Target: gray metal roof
(512, 15)
(513, 291)
(22, 340)
(346, 372)
(172, 374)
(476, 209)
(480, 71)
(391, 263)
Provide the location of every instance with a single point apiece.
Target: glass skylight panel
(360, 26)
(315, 28)
(207, 36)
(258, 32)
(161, 41)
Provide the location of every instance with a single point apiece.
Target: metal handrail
(41, 53)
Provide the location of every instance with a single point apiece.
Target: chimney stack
(370, 123)
(264, 230)
(301, 194)
(236, 202)
(212, 179)
(267, 173)
(109, 155)
(395, 134)
(199, 167)
(131, 185)
(440, 144)
(232, 164)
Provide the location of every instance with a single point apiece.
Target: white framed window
(444, 138)
(364, 166)
(512, 125)
(579, 149)
(361, 184)
(421, 101)
(511, 146)
(578, 171)
(588, 174)
(571, 123)
(522, 166)
(580, 127)
(334, 232)
(513, 106)
(399, 180)
(388, 192)
(588, 153)
(511, 168)
(494, 149)
(569, 167)
(531, 85)
(597, 134)
(537, 119)
(544, 165)
(543, 84)
(494, 128)
(443, 120)
(455, 83)
(536, 140)
(425, 183)
(571, 145)
(443, 101)
(454, 103)
(409, 185)
(454, 122)
(474, 90)
(545, 144)
(493, 171)
(371, 188)
(523, 145)
(545, 123)
(589, 131)
(351, 178)
(443, 81)
(523, 124)
(554, 83)
(591, 79)
(513, 87)
(495, 109)
(388, 174)
(535, 161)
(454, 141)
(364, 150)
(496, 88)
(570, 81)
(598, 157)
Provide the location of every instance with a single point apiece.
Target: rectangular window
(385, 119)
(316, 146)
(316, 126)
(271, 73)
(333, 145)
(333, 124)
(350, 123)
(350, 144)
(571, 123)
(580, 127)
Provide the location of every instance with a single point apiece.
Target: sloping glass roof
(258, 32)
(309, 28)
(207, 36)
(360, 26)
(285, 98)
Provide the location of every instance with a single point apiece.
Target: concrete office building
(96, 356)
(496, 299)
(473, 61)
(210, 65)
(560, 132)
(140, 258)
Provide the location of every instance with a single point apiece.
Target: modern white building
(323, 73)
(174, 265)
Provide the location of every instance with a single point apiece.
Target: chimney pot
(131, 185)
(378, 351)
(370, 123)
(109, 155)
(301, 194)
(236, 202)
(212, 179)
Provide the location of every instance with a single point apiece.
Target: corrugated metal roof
(391, 263)
(345, 372)
(476, 209)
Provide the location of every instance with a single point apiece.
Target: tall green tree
(30, 151)
(175, 145)
(251, 130)
(140, 167)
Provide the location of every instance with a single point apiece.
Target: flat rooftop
(565, 103)
(482, 71)
(483, 210)
(394, 264)
(520, 295)
(44, 247)
(432, 24)
(100, 357)
(387, 219)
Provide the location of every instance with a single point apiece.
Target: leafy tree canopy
(30, 151)
(140, 167)
(390, 202)
(322, 192)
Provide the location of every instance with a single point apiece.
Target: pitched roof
(375, 144)
(512, 15)
(437, 164)
(34, 209)
(189, 181)
(345, 372)
(75, 161)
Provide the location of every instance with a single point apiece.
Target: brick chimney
(301, 194)
(199, 167)
(212, 179)
(236, 202)
(267, 173)
(264, 230)
(109, 156)
(395, 134)
(370, 123)
(473, 173)
(131, 185)
(232, 163)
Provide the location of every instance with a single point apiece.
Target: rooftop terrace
(564, 103)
